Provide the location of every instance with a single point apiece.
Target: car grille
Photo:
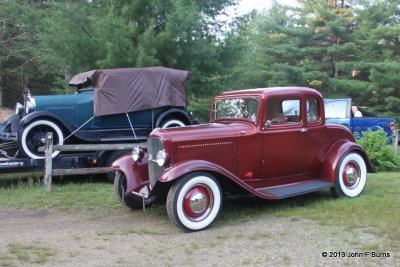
(154, 145)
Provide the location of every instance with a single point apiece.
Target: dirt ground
(5, 112)
(136, 238)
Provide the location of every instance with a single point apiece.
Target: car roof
(272, 91)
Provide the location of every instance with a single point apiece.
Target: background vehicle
(339, 111)
(273, 143)
(112, 105)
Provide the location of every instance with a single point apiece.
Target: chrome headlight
(30, 104)
(137, 154)
(161, 158)
(19, 108)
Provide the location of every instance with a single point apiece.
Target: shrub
(381, 154)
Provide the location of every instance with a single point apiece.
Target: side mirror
(268, 123)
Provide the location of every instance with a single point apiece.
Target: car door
(318, 140)
(283, 138)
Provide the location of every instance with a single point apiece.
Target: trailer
(20, 165)
(80, 159)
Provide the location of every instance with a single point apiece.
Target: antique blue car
(111, 105)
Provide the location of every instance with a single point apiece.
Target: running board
(296, 189)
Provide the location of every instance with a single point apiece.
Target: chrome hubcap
(198, 202)
(351, 175)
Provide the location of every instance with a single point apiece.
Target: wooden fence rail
(49, 148)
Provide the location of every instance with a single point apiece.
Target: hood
(44, 102)
(202, 132)
(213, 142)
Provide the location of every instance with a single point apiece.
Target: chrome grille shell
(154, 144)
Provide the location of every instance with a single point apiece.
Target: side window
(312, 110)
(282, 111)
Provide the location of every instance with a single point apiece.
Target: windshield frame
(230, 119)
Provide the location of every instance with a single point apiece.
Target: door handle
(303, 130)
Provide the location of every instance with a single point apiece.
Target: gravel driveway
(136, 238)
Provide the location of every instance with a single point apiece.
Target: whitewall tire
(32, 136)
(172, 123)
(194, 201)
(351, 177)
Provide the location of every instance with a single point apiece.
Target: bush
(381, 154)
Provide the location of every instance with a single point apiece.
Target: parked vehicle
(339, 111)
(273, 143)
(112, 105)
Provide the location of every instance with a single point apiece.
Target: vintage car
(112, 105)
(271, 142)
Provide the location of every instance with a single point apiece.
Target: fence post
(48, 161)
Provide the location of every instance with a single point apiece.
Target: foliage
(19, 64)
(343, 48)
(379, 151)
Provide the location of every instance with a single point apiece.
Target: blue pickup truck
(339, 111)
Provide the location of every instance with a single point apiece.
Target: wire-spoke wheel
(33, 136)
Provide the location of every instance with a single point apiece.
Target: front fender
(11, 124)
(185, 167)
(43, 115)
(339, 150)
(136, 173)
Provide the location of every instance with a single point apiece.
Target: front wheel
(33, 135)
(351, 177)
(120, 188)
(194, 201)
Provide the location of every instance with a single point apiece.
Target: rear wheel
(32, 136)
(351, 177)
(194, 202)
(170, 123)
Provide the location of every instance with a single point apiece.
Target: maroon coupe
(270, 142)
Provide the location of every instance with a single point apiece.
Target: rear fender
(136, 173)
(175, 113)
(340, 149)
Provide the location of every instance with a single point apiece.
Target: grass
(67, 197)
(376, 211)
(29, 253)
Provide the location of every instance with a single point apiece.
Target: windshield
(336, 109)
(236, 108)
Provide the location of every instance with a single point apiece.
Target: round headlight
(161, 158)
(26, 107)
(30, 104)
(19, 108)
(137, 154)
